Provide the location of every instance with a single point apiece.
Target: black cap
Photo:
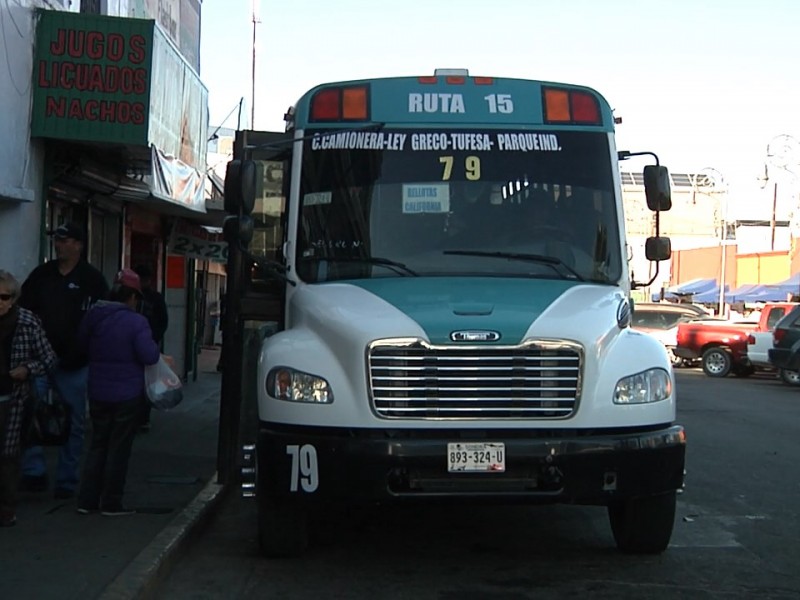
(68, 230)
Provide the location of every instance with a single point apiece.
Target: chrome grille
(537, 380)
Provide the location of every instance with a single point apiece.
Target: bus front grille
(414, 380)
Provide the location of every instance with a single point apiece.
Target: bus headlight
(288, 384)
(652, 385)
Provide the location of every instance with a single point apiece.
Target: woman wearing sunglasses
(24, 353)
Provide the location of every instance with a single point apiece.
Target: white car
(661, 321)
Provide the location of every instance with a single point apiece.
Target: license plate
(476, 457)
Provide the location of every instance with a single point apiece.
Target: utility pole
(256, 21)
(773, 220)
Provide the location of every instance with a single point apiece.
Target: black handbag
(50, 421)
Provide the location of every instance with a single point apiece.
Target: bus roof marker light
(584, 108)
(556, 106)
(451, 72)
(326, 105)
(483, 80)
(355, 104)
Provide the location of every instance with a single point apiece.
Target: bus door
(254, 299)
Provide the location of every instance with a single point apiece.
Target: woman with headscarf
(25, 353)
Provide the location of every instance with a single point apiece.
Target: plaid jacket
(29, 347)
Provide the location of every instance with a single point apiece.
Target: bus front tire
(643, 525)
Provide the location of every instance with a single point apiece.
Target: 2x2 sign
(191, 246)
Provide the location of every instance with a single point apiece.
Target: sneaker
(118, 511)
(33, 483)
(81, 510)
(63, 493)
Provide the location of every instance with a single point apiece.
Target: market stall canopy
(710, 296)
(694, 286)
(743, 293)
(688, 288)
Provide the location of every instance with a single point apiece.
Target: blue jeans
(71, 386)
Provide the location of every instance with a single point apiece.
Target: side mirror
(238, 230)
(240, 187)
(657, 248)
(656, 188)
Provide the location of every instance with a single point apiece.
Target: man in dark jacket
(60, 292)
(154, 308)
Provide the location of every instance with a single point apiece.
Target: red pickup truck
(721, 345)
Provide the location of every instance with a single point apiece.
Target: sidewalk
(53, 552)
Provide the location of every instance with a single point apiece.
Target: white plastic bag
(164, 388)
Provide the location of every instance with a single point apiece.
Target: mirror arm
(635, 285)
(625, 155)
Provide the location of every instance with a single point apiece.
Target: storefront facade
(121, 118)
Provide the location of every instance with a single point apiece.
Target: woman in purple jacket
(119, 344)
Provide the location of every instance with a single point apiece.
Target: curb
(140, 579)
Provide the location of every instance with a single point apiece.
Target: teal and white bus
(442, 264)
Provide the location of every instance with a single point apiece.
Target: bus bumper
(319, 465)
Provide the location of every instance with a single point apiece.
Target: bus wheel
(282, 527)
(643, 525)
(717, 362)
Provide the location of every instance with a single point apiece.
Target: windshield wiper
(551, 261)
(395, 266)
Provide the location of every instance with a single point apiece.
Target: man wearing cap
(60, 292)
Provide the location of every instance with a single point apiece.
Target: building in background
(695, 225)
(107, 125)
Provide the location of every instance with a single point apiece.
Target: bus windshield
(405, 202)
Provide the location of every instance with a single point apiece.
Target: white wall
(21, 161)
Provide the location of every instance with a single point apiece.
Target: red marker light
(326, 105)
(584, 108)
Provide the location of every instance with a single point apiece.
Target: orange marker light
(354, 104)
(556, 106)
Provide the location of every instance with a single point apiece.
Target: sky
(708, 85)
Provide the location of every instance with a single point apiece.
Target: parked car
(785, 352)
(660, 319)
(760, 341)
(720, 345)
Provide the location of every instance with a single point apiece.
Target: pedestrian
(119, 344)
(60, 292)
(24, 354)
(154, 308)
